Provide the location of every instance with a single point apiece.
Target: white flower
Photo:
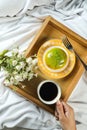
(36, 67)
(22, 64)
(25, 74)
(29, 60)
(21, 55)
(34, 62)
(18, 78)
(15, 72)
(6, 73)
(14, 62)
(23, 86)
(28, 69)
(7, 82)
(15, 51)
(36, 75)
(18, 67)
(16, 82)
(30, 76)
(11, 80)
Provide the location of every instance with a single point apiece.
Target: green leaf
(3, 53)
(1, 61)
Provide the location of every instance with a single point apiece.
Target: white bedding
(19, 31)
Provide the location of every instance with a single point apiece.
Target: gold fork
(68, 45)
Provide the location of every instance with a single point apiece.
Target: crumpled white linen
(69, 7)
(77, 102)
(18, 7)
(15, 110)
(65, 18)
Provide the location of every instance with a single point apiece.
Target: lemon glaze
(55, 58)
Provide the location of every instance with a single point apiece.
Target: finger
(56, 115)
(59, 108)
(65, 106)
(67, 109)
(56, 109)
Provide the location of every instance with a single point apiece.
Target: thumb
(59, 108)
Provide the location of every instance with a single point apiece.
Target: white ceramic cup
(46, 92)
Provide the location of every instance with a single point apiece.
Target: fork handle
(85, 66)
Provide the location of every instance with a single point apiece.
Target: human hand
(65, 114)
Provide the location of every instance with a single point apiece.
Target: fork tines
(66, 42)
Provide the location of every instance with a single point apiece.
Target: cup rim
(57, 70)
(55, 99)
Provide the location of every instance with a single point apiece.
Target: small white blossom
(22, 64)
(16, 82)
(15, 72)
(12, 79)
(36, 75)
(29, 60)
(36, 67)
(14, 62)
(28, 69)
(18, 78)
(6, 73)
(7, 82)
(23, 86)
(18, 67)
(34, 62)
(21, 55)
(15, 51)
(30, 76)
(25, 74)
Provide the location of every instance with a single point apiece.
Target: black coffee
(48, 91)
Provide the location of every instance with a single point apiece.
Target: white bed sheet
(19, 31)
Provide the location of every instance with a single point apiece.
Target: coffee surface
(48, 91)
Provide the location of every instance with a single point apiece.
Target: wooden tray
(49, 30)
